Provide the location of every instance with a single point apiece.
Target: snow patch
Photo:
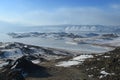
(90, 76)
(104, 73)
(106, 56)
(2, 64)
(75, 61)
(68, 63)
(36, 61)
(82, 57)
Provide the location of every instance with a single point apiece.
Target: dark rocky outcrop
(19, 69)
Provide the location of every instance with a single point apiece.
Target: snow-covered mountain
(91, 28)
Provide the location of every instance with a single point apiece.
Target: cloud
(80, 15)
(115, 6)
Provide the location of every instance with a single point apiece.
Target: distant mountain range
(7, 27)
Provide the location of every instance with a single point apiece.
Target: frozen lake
(61, 44)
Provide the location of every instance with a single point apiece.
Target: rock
(20, 67)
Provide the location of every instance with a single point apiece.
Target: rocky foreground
(104, 67)
(26, 62)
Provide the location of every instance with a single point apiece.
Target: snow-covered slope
(16, 50)
(11, 53)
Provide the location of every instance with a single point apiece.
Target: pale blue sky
(55, 12)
